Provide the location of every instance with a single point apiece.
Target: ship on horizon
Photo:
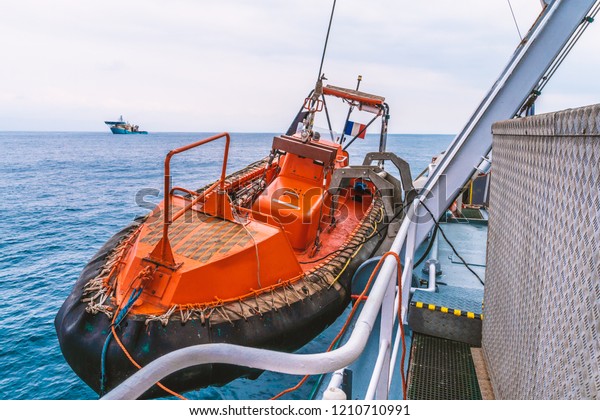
(123, 127)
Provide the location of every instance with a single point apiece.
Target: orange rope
(401, 325)
(137, 365)
(359, 299)
(294, 388)
(132, 360)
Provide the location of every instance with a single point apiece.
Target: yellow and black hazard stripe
(446, 310)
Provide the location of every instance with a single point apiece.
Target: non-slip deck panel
(466, 300)
(199, 236)
(453, 313)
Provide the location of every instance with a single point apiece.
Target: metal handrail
(193, 202)
(185, 190)
(167, 219)
(384, 349)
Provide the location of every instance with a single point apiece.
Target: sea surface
(63, 194)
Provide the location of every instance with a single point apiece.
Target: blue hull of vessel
(117, 130)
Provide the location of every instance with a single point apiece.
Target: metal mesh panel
(542, 293)
(441, 369)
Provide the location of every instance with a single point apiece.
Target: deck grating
(441, 369)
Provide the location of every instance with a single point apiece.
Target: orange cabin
(298, 197)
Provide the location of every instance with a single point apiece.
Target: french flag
(355, 129)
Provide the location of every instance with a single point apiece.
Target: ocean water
(62, 195)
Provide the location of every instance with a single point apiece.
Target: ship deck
(443, 336)
(445, 356)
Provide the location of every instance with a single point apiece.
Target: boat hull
(82, 335)
(117, 130)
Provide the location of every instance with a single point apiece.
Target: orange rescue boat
(263, 257)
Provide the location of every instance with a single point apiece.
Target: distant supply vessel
(122, 127)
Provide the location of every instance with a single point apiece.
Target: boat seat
(312, 150)
(296, 197)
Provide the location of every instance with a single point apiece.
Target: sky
(246, 66)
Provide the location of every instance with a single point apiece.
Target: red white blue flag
(355, 129)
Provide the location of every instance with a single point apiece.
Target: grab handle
(164, 254)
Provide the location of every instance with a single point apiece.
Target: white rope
(257, 258)
(515, 20)
(164, 318)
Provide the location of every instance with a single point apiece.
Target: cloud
(186, 65)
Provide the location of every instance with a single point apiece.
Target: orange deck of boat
(220, 260)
